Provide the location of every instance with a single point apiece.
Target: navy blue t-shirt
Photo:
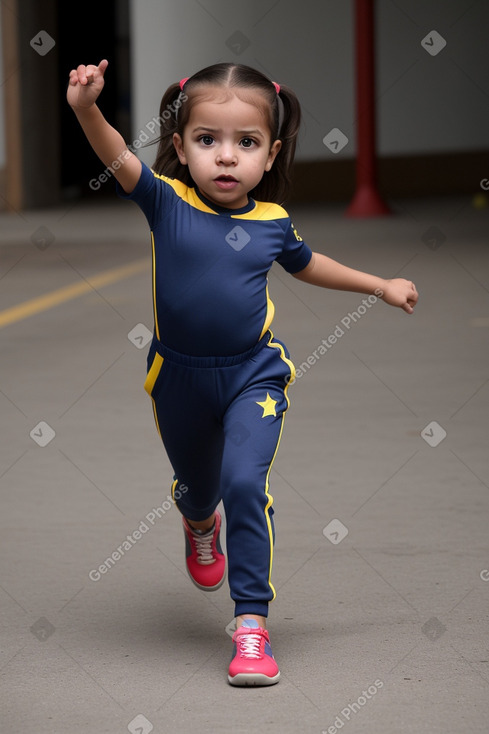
(210, 265)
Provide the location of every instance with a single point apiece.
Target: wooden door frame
(31, 106)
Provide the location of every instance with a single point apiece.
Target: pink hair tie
(277, 87)
(183, 81)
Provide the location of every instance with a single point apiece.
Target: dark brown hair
(284, 124)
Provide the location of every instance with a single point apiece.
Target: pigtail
(172, 120)
(276, 184)
(290, 125)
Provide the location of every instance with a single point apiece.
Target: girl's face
(227, 146)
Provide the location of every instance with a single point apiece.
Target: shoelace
(249, 645)
(203, 546)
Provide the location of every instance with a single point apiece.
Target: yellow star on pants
(268, 406)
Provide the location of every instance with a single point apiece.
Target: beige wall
(427, 104)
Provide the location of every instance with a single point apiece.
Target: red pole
(366, 201)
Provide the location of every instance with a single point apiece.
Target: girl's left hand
(401, 293)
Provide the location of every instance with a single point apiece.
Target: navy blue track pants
(221, 420)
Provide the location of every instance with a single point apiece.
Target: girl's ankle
(262, 621)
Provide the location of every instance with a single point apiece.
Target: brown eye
(206, 139)
(247, 142)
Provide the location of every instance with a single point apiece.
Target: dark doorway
(85, 36)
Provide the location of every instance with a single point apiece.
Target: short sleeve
(296, 254)
(151, 193)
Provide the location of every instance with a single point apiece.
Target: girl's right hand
(85, 85)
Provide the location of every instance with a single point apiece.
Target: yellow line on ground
(67, 293)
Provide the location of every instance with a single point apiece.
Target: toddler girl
(217, 376)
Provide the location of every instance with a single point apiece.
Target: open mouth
(226, 182)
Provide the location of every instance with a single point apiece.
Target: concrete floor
(382, 629)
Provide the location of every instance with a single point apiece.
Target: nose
(227, 155)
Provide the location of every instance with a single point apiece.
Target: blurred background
(432, 104)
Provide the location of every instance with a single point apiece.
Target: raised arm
(85, 85)
(327, 273)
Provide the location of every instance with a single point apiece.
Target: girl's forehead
(228, 104)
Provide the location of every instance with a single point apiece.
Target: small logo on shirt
(237, 238)
(297, 235)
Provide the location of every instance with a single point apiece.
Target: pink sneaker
(206, 563)
(253, 663)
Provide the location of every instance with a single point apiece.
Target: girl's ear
(178, 143)
(273, 154)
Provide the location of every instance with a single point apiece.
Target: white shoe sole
(253, 679)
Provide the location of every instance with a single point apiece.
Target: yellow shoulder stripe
(186, 193)
(264, 210)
